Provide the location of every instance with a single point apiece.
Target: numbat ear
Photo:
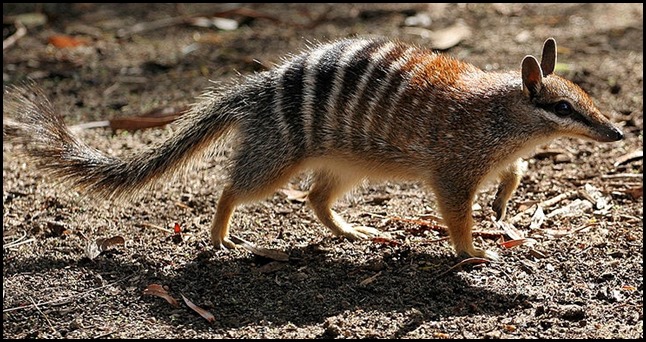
(532, 76)
(548, 60)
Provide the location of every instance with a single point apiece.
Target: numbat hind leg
(220, 224)
(327, 188)
(252, 178)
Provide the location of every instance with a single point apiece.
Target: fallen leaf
(96, 247)
(92, 250)
(57, 228)
(260, 251)
(443, 39)
(526, 205)
(159, 291)
(451, 36)
(177, 233)
(537, 218)
(63, 41)
(295, 195)
(509, 229)
(205, 314)
(635, 192)
(513, 243)
(115, 240)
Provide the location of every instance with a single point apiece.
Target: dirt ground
(580, 274)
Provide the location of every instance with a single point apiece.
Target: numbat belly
(349, 110)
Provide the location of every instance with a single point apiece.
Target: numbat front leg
(509, 180)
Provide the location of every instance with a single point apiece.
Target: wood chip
(594, 195)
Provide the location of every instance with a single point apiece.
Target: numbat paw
(223, 244)
(479, 253)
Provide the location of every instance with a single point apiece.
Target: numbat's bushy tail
(348, 110)
(60, 153)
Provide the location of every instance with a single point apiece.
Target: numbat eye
(563, 108)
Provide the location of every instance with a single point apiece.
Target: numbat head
(349, 110)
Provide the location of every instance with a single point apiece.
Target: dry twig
(21, 31)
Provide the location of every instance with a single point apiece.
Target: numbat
(349, 110)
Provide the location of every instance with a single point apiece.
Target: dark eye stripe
(575, 115)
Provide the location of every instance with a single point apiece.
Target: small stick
(150, 225)
(152, 25)
(46, 318)
(624, 175)
(18, 243)
(53, 301)
(21, 31)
